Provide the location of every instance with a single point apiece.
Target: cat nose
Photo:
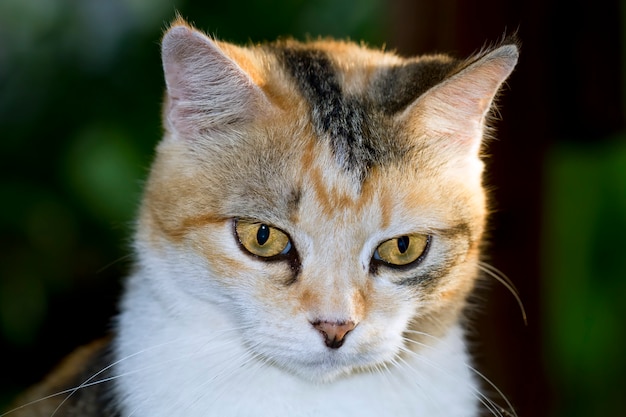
(334, 332)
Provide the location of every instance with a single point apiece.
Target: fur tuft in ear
(207, 91)
(455, 110)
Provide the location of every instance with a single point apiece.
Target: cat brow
(459, 230)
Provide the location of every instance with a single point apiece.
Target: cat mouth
(330, 365)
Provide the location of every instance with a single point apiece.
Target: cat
(308, 237)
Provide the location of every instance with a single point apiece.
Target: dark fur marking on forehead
(345, 121)
(396, 88)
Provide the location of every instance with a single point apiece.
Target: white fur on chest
(171, 366)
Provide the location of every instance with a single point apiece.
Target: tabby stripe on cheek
(428, 279)
(342, 119)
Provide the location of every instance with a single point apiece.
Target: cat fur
(341, 147)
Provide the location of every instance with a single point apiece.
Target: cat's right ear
(207, 91)
(454, 113)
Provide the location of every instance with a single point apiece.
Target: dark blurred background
(80, 94)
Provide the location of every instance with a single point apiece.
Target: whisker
(110, 264)
(84, 384)
(222, 374)
(489, 404)
(106, 368)
(408, 366)
(382, 370)
(506, 281)
(28, 404)
(492, 385)
(258, 363)
(89, 382)
(199, 352)
(493, 408)
(244, 360)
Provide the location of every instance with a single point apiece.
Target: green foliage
(585, 275)
(257, 21)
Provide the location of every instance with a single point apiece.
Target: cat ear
(455, 110)
(206, 89)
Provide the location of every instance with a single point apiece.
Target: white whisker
(28, 404)
(84, 384)
(482, 398)
(204, 348)
(506, 281)
(258, 363)
(224, 373)
(490, 405)
(408, 366)
(382, 370)
(492, 385)
(89, 382)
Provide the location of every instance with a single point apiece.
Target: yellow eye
(262, 240)
(402, 250)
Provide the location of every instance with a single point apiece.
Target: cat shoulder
(62, 387)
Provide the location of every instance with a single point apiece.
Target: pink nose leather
(334, 332)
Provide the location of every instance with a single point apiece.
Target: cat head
(324, 197)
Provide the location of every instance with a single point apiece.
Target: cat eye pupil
(402, 250)
(263, 234)
(261, 239)
(403, 244)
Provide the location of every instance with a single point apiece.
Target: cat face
(325, 197)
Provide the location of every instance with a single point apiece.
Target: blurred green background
(80, 96)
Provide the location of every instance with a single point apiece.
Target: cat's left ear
(454, 112)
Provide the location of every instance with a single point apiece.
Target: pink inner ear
(455, 110)
(207, 90)
(471, 91)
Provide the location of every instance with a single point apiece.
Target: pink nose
(334, 332)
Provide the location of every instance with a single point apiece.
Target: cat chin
(324, 373)
(331, 366)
